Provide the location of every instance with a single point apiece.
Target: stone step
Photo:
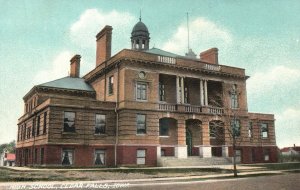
(193, 161)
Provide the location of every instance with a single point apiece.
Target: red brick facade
(138, 106)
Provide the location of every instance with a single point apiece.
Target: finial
(140, 15)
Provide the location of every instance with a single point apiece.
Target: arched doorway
(189, 142)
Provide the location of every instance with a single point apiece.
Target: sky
(38, 38)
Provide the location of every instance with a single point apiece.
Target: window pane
(69, 121)
(140, 161)
(141, 124)
(100, 123)
(164, 127)
(99, 157)
(264, 130)
(141, 153)
(67, 157)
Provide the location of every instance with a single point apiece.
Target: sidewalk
(130, 181)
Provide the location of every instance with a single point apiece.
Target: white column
(182, 90)
(205, 92)
(201, 93)
(181, 151)
(178, 94)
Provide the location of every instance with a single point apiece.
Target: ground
(258, 176)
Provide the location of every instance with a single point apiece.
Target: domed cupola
(140, 36)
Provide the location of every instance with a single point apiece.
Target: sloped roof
(162, 52)
(287, 149)
(68, 83)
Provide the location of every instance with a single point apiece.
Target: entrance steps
(193, 161)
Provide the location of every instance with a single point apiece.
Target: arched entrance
(189, 142)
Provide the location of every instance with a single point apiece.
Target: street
(282, 182)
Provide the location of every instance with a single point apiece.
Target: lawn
(108, 174)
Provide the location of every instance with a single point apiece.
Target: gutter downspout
(117, 115)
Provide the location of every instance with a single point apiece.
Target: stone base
(205, 152)
(181, 152)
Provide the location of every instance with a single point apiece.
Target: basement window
(67, 157)
(141, 157)
(99, 157)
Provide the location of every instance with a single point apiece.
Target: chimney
(75, 66)
(103, 49)
(210, 56)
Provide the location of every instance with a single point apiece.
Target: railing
(193, 109)
(214, 110)
(167, 107)
(212, 67)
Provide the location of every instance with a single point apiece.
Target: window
(111, 85)
(42, 156)
(141, 124)
(69, 122)
(99, 157)
(186, 94)
(266, 154)
(234, 96)
(38, 125)
(100, 124)
(236, 128)
(162, 152)
(141, 91)
(45, 123)
(164, 127)
(33, 127)
(264, 130)
(67, 157)
(28, 132)
(140, 157)
(161, 92)
(250, 129)
(212, 131)
(35, 155)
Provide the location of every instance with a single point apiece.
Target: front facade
(142, 105)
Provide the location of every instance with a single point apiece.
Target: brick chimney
(210, 56)
(75, 66)
(103, 49)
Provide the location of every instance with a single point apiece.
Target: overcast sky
(38, 38)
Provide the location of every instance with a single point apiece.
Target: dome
(140, 29)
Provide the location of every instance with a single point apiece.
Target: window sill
(141, 100)
(101, 135)
(144, 134)
(164, 136)
(69, 133)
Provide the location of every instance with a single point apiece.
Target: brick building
(139, 107)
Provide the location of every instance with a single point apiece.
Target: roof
(140, 27)
(286, 149)
(68, 83)
(162, 52)
(10, 157)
